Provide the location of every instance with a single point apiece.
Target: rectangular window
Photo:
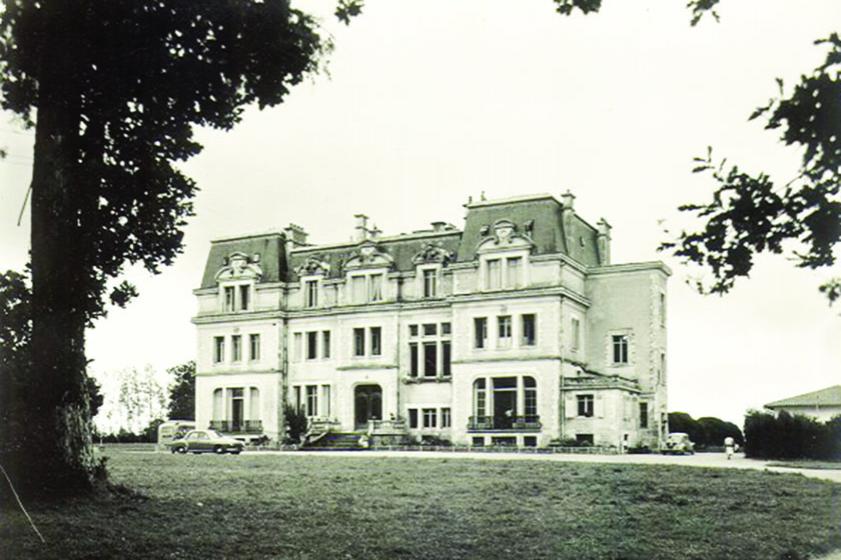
(514, 272)
(643, 415)
(413, 418)
(430, 418)
(575, 335)
(229, 298)
(479, 387)
(325, 344)
(236, 347)
(312, 345)
(430, 283)
(504, 330)
(325, 397)
(413, 359)
(357, 288)
(296, 397)
(375, 288)
(297, 344)
(413, 330)
(446, 329)
(529, 330)
(530, 441)
(585, 405)
(445, 358)
(254, 346)
(376, 341)
(584, 438)
(492, 282)
(244, 299)
(663, 309)
(358, 342)
(445, 417)
(480, 331)
(620, 349)
(311, 293)
(218, 349)
(312, 400)
(430, 329)
(430, 359)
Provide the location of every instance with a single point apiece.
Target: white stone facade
(516, 329)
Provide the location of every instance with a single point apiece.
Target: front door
(368, 404)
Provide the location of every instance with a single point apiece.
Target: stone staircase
(335, 440)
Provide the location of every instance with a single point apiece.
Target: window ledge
(440, 379)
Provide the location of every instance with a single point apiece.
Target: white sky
(428, 102)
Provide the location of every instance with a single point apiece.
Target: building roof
(831, 396)
(269, 247)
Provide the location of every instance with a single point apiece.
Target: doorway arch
(368, 404)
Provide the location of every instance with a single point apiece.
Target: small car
(206, 441)
(678, 443)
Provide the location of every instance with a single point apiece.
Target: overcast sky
(429, 102)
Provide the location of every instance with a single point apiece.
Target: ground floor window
(585, 405)
(236, 409)
(530, 441)
(413, 418)
(506, 441)
(430, 418)
(501, 402)
(478, 441)
(445, 417)
(643, 415)
(584, 438)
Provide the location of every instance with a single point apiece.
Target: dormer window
(230, 295)
(503, 256)
(493, 279)
(236, 279)
(244, 297)
(311, 293)
(375, 287)
(430, 283)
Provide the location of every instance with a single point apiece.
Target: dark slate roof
(401, 248)
(269, 246)
(831, 396)
(550, 234)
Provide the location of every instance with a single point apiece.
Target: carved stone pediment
(505, 234)
(368, 255)
(239, 266)
(433, 253)
(313, 267)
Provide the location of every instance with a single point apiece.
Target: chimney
(374, 232)
(361, 227)
(439, 226)
(604, 241)
(296, 235)
(569, 200)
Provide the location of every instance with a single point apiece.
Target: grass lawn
(806, 464)
(314, 506)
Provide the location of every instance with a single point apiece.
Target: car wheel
(181, 450)
(219, 450)
(236, 451)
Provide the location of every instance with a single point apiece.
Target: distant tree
(182, 391)
(714, 430)
(683, 422)
(113, 89)
(141, 398)
(296, 423)
(786, 436)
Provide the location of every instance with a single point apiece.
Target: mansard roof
(268, 248)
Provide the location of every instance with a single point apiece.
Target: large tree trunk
(58, 456)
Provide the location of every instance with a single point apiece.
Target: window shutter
(571, 407)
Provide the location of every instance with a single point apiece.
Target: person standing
(728, 447)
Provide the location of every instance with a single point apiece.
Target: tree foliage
(786, 436)
(182, 391)
(706, 431)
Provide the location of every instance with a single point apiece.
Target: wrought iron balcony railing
(529, 423)
(232, 427)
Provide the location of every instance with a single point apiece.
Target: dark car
(206, 441)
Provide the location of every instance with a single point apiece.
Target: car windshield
(214, 434)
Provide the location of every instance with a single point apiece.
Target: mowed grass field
(315, 506)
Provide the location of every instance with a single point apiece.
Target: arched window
(480, 397)
(530, 397)
(255, 404)
(218, 405)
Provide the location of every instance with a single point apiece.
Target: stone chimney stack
(604, 241)
(361, 227)
(296, 235)
(439, 226)
(569, 200)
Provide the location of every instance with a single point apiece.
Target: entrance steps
(336, 440)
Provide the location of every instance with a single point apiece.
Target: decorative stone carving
(238, 266)
(313, 267)
(368, 255)
(504, 234)
(433, 253)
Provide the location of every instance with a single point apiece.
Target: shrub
(296, 424)
(791, 437)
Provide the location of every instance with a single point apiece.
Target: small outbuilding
(821, 405)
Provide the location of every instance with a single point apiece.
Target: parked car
(206, 441)
(678, 443)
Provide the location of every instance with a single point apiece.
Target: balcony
(233, 427)
(530, 423)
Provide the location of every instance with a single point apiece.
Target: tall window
(229, 298)
(504, 330)
(480, 332)
(494, 278)
(297, 343)
(514, 271)
(236, 347)
(643, 415)
(218, 349)
(376, 341)
(312, 345)
(430, 418)
(445, 358)
(529, 331)
(357, 284)
(325, 397)
(311, 293)
(358, 342)
(575, 335)
(530, 396)
(413, 359)
(254, 347)
(244, 297)
(445, 418)
(620, 349)
(585, 405)
(480, 397)
(413, 417)
(375, 288)
(430, 283)
(430, 359)
(312, 400)
(325, 344)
